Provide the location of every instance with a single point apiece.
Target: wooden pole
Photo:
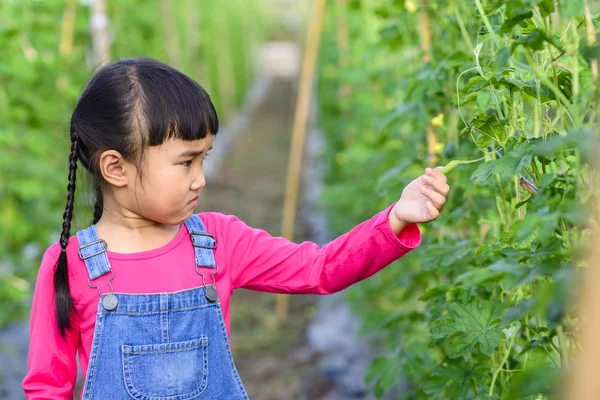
(170, 33)
(424, 31)
(99, 31)
(425, 42)
(342, 35)
(342, 42)
(298, 135)
(191, 42)
(591, 37)
(226, 78)
(582, 382)
(68, 28)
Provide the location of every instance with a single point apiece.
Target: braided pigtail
(64, 301)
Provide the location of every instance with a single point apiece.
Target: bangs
(178, 107)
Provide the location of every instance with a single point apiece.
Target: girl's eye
(188, 163)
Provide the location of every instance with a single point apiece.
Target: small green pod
(455, 163)
(450, 166)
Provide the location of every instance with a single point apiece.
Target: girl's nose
(198, 183)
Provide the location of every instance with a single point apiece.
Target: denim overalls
(160, 346)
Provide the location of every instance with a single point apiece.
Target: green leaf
(535, 40)
(508, 271)
(468, 325)
(396, 318)
(516, 8)
(446, 254)
(538, 380)
(529, 87)
(507, 166)
(556, 145)
(483, 142)
(571, 8)
(455, 379)
(435, 291)
(546, 7)
(401, 111)
(476, 83)
(488, 123)
(384, 372)
(510, 23)
(502, 58)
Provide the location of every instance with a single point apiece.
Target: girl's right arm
(52, 367)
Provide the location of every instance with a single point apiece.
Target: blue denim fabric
(160, 346)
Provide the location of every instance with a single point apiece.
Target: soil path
(250, 183)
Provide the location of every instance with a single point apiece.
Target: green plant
(480, 311)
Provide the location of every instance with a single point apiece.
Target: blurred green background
(49, 50)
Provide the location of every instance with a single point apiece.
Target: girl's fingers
(438, 185)
(433, 212)
(436, 173)
(436, 198)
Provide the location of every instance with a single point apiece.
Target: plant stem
(486, 21)
(562, 343)
(557, 92)
(463, 29)
(504, 359)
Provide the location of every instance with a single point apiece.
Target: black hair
(126, 106)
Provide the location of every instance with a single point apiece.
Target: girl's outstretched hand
(422, 199)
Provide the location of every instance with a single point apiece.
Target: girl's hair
(126, 106)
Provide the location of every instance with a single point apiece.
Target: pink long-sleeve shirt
(247, 258)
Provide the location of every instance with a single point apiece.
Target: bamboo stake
(99, 31)
(431, 144)
(171, 37)
(342, 31)
(591, 37)
(226, 79)
(342, 40)
(425, 41)
(424, 31)
(583, 383)
(298, 135)
(68, 28)
(192, 38)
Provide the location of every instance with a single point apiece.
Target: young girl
(143, 294)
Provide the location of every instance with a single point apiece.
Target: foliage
(480, 310)
(39, 86)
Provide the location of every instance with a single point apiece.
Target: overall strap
(92, 250)
(203, 242)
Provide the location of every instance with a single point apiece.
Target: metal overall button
(212, 295)
(109, 301)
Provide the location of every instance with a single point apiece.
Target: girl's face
(172, 178)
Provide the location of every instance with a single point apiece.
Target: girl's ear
(114, 168)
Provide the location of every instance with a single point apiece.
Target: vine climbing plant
(502, 93)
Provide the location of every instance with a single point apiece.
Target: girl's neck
(125, 219)
(126, 232)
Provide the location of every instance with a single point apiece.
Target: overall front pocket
(166, 371)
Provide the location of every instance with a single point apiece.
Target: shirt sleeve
(259, 261)
(52, 366)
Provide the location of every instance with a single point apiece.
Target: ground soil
(250, 183)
